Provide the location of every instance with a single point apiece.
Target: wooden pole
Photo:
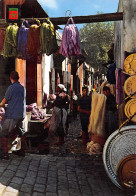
(77, 19)
(89, 19)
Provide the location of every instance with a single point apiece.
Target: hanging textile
(111, 74)
(22, 38)
(10, 43)
(120, 80)
(2, 38)
(33, 41)
(70, 45)
(96, 121)
(48, 42)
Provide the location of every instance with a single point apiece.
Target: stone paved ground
(65, 171)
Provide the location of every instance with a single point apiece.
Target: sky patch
(52, 4)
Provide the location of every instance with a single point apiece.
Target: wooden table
(36, 131)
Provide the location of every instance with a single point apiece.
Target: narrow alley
(66, 171)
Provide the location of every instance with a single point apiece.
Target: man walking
(14, 115)
(84, 108)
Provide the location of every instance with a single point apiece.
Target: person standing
(57, 123)
(110, 113)
(14, 115)
(84, 108)
(74, 100)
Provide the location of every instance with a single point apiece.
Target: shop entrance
(6, 66)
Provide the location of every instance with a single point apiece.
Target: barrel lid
(130, 64)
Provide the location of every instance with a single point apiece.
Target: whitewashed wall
(129, 25)
(118, 39)
(125, 31)
(47, 65)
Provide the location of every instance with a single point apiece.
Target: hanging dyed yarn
(70, 45)
(22, 38)
(33, 41)
(2, 38)
(48, 42)
(10, 43)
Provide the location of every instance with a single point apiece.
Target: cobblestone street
(65, 171)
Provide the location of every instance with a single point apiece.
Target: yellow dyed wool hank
(96, 121)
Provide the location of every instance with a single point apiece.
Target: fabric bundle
(30, 107)
(33, 41)
(96, 124)
(28, 40)
(48, 42)
(96, 121)
(2, 38)
(36, 114)
(120, 80)
(22, 38)
(10, 43)
(94, 148)
(70, 45)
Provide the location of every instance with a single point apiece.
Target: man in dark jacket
(84, 108)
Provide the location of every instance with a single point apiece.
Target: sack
(60, 130)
